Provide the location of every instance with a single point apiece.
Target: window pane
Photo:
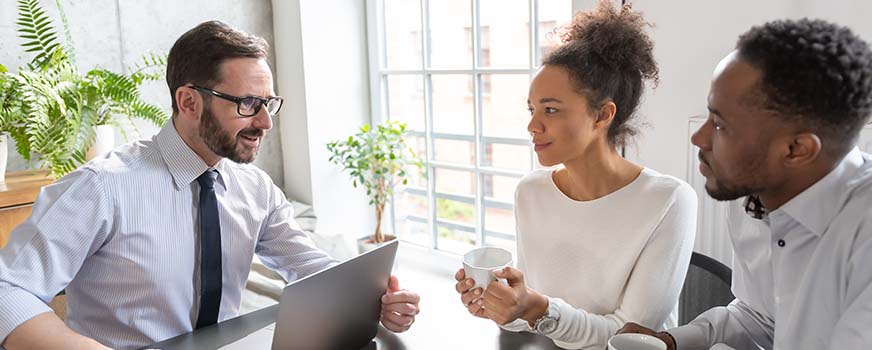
(448, 128)
(505, 33)
(450, 34)
(416, 175)
(501, 188)
(454, 211)
(455, 240)
(453, 104)
(504, 107)
(552, 13)
(454, 182)
(403, 34)
(406, 204)
(504, 156)
(454, 151)
(414, 231)
(406, 99)
(499, 220)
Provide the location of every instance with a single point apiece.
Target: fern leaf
(36, 28)
(151, 68)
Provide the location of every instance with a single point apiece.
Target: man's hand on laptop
(399, 307)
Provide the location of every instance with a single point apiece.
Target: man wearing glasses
(156, 238)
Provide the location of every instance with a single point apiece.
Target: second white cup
(480, 263)
(635, 341)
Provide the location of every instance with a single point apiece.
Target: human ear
(189, 102)
(803, 149)
(605, 115)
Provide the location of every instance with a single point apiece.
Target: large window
(457, 72)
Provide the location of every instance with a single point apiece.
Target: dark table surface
(484, 336)
(442, 324)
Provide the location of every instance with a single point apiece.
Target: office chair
(707, 285)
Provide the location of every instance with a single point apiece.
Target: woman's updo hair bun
(609, 57)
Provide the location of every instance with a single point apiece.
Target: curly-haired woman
(601, 240)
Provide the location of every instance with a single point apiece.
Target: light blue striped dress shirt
(121, 235)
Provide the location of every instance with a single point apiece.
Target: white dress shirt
(608, 261)
(120, 234)
(802, 274)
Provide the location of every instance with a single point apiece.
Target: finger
(479, 313)
(399, 320)
(512, 275)
(393, 284)
(495, 315)
(627, 328)
(474, 307)
(403, 296)
(494, 307)
(467, 298)
(631, 327)
(460, 275)
(491, 303)
(401, 308)
(393, 326)
(464, 285)
(497, 290)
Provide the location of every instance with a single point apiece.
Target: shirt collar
(183, 163)
(816, 206)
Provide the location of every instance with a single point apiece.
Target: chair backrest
(707, 285)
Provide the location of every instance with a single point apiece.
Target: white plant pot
(4, 155)
(103, 142)
(366, 244)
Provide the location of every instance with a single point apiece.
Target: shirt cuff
(16, 307)
(518, 325)
(564, 311)
(689, 336)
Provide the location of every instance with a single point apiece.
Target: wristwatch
(548, 322)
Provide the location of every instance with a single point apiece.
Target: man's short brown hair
(197, 55)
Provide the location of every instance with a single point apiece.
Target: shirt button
(781, 243)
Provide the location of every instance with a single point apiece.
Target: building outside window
(457, 72)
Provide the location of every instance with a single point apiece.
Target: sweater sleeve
(652, 291)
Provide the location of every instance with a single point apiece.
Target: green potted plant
(376, 159)
(53, 110)
(6, 118)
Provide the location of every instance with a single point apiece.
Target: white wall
(114, 34)
(852, 13)
(322, 66)
(690, 37)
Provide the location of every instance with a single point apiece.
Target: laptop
(337, 308)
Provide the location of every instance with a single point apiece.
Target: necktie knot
(207, 179)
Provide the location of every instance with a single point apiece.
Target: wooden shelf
(22, 187)
(17, 195)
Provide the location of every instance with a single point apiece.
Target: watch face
(547, 325)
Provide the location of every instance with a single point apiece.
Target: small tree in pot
(377, 159)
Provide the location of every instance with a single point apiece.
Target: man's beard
(726, 192)
(224, 145)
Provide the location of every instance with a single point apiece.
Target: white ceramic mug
(480, 263)
(635, 341)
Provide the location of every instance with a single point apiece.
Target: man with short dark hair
(785, 112)
(156, 238)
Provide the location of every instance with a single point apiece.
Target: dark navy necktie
(210, 251)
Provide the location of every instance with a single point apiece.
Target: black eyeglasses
(247, 106)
